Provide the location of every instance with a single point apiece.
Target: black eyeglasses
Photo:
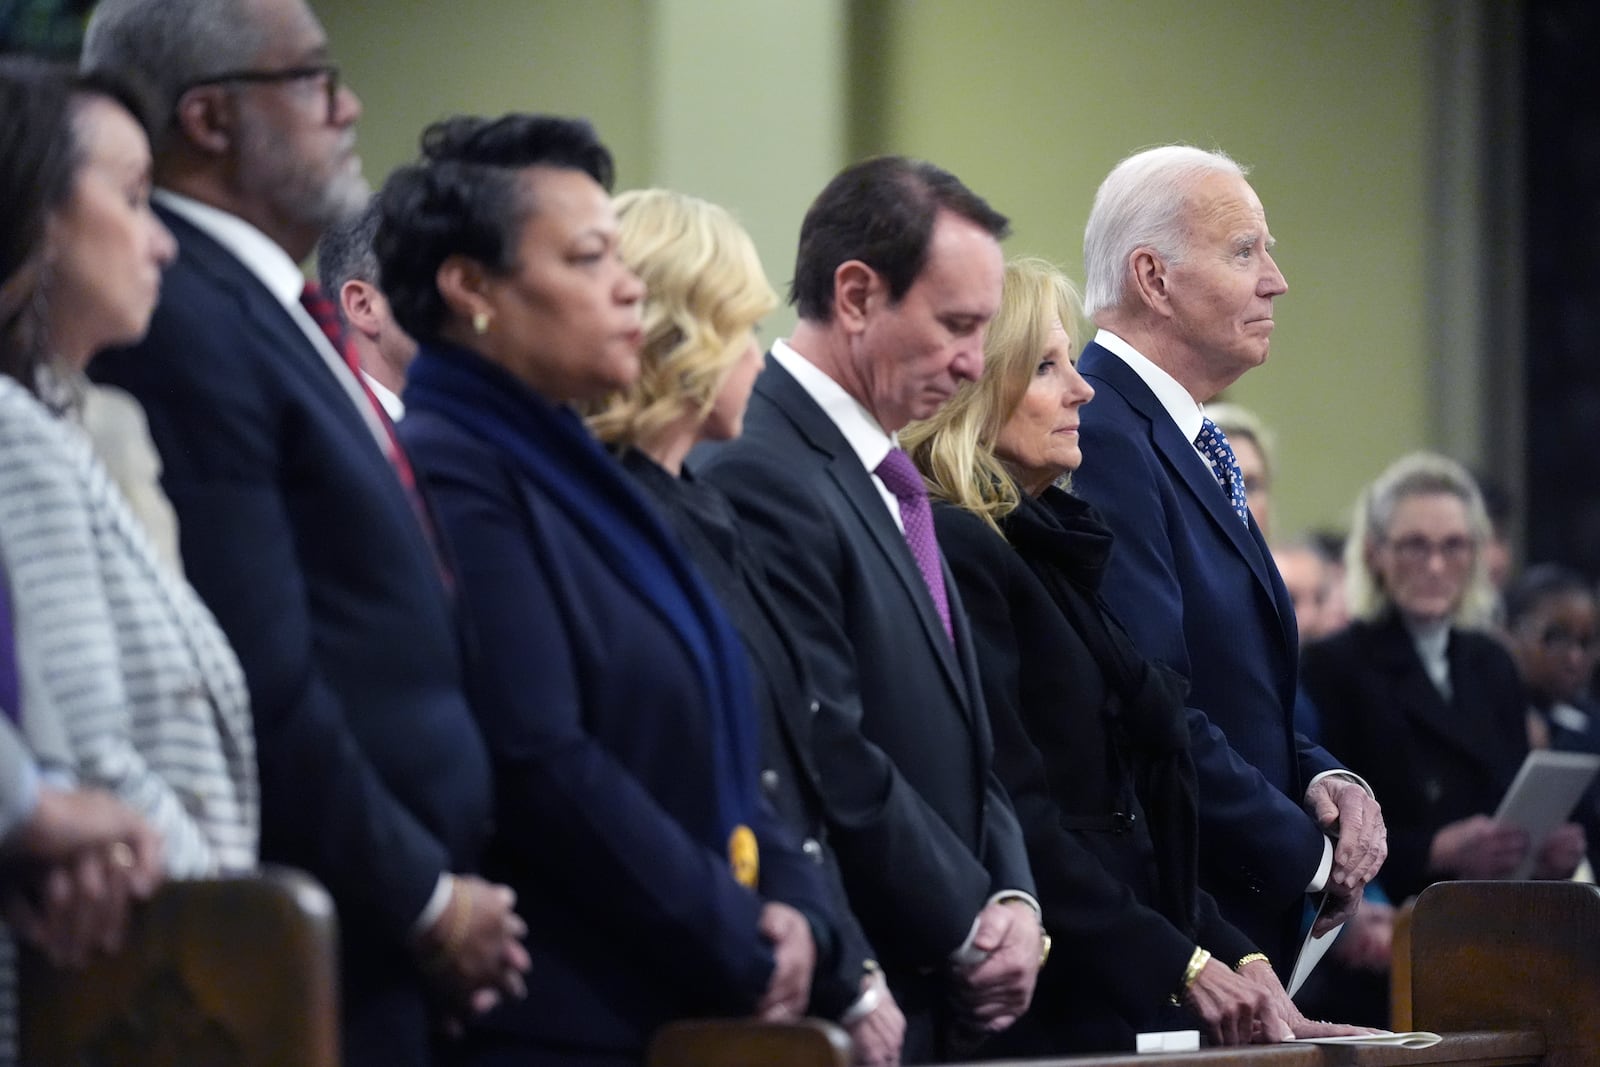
(1417, 550)
(327, 72)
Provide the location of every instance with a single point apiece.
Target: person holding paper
(1552, 620)
(1416, 697)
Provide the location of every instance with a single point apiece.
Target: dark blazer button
(769, 782)
(816, 706)
(812, 848)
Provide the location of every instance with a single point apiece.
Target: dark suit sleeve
(912, 880)
(628, 865)
(1091, 915)
(323, 805)
(1251, 832)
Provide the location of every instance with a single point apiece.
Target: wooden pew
(238, 972)
(1508, 972)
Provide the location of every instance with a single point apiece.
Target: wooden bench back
(239, 972)
(1510, 955)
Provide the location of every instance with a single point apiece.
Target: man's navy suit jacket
(1197, 589)
(300, 539)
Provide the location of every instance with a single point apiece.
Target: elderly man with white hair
(1181, 283)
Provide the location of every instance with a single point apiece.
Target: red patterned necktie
(326, 316)
(900, 476)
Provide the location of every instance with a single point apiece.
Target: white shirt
(1185, 410)
(867, 439)
(393, 406)
(1432, 642)
(1189, 415)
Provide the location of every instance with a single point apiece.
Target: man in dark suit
(297, 527)
(1180, 279)
(897, 275)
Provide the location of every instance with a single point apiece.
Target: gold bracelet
(1197, 963)
(1254, 957)
(1044, 948)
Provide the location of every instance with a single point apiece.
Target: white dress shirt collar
(866, 438)
(260, 254)
(1184, 409)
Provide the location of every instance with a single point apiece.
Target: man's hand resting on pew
(1281, 1019)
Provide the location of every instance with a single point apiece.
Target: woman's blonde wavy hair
(704, 291)
(954, 448)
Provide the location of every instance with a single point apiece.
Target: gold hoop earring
(480, 323)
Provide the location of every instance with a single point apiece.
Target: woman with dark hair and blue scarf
(612, 690)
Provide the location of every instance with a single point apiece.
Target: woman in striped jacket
(127, 681)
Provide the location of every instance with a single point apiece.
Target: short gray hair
(1141, 204)
(1416, 474)
(344, 253)
(171, 44)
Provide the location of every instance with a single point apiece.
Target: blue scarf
(555, 452)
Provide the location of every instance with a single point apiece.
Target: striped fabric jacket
(128, 664)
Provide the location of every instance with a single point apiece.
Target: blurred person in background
(347, 270)
(1553, 624)
(1416, 696)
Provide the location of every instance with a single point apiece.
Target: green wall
(1033, 101)
(415, 61)
(756, 102)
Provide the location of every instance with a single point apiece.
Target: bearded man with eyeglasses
(301, 524)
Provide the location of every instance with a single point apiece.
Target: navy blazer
(1197, 589)
(603, 753)
(922, 827)
(298, 536)
(1432, 760)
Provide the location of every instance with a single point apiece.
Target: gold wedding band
(122, 855)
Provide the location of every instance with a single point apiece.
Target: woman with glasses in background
(1416, 696)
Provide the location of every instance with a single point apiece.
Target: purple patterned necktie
(1213, 444)
(900, 477)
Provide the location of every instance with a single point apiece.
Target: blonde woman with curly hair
(704, 294)
(1090, 738)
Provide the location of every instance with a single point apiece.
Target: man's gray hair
(1141, 204)
(171, 44)
(345, 253)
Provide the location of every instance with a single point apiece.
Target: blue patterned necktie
(1213, 445)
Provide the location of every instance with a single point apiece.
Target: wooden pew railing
(243, 973)
(1508, 972)
(239, 972)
